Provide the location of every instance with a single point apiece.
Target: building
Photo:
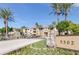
(32, 32)
(35, 32)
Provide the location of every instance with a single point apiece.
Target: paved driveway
(10, 45)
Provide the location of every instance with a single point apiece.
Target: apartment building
(34, 32)
(45, 32)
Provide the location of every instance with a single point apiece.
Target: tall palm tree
(6, 14)
(57, 9)
(66, 9)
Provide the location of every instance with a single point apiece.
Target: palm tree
(51, 26)
(24, 27)
(57, 9)
(6, 14)
(36, 24)
(40, 27)
(66, 9)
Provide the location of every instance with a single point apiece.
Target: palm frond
(6, 13)
(66, 7)
(56, 8)
(11, 19)
(50, 13)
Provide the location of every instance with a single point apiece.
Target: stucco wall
(68, 42)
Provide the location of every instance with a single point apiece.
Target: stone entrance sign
(68, 42)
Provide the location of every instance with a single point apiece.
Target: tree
(37, 25)
(40, 27)
(74, 27)
(2, 30)
(63, 26)
(7, 15)
(66, 9)
(24, 27)
(57, 9)
(51, 26)
(10, 29)
(61, 8)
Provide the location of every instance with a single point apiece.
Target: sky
(28, 14)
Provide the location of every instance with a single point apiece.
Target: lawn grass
(40, 44)
(39, 48)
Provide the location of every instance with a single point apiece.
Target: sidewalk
(10, 45)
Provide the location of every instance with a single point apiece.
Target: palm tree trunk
(65, 17)
(57, 18)
(6, 29)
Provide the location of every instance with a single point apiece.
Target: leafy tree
(62, 26)
(74, 27)
(76, 30)
(68, 25)
(2, 30)
(10, 29)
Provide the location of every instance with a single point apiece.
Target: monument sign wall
(68, 42)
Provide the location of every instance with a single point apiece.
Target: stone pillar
(51, 39)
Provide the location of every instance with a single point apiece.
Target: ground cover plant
(39, 48)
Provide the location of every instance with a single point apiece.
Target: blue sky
(28, 14)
